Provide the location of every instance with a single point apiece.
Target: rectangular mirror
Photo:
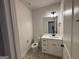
(50, 25)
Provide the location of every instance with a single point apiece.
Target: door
(67, 40)
(72, 45)
(1, 44)
(75, 49)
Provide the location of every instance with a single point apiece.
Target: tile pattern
(39, 55)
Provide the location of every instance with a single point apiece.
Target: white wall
(24, 22)
(61, 17)
(39, 14)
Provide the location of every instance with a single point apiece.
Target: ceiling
(39, 3)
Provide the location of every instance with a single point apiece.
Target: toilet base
(34, 49)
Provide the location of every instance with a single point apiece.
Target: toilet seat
(34, 45)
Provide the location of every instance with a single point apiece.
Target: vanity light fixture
(53, 14)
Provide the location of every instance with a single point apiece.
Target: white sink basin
(49, 36)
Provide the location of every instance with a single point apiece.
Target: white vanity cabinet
(52, 46)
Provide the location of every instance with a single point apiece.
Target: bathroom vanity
(52, 45)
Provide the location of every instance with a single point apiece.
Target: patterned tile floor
(39, 55)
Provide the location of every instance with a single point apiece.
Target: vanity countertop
(49, 36)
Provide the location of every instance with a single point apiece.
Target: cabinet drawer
(44, 50)
(44, 40)
(54, 43)
(44, 47)
(44, 44)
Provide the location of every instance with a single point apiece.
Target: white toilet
(34, 47)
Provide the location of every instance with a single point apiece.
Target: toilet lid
(34, 45)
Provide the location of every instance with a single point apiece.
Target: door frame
(7, 31)
(15, 28)
(12, 30)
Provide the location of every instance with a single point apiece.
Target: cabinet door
(75, 50)
(52, 43)
(54, 47)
